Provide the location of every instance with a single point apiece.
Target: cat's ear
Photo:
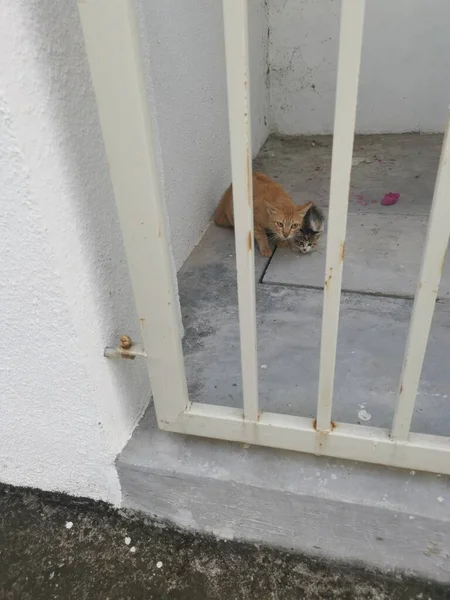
(271, 210)
(302, 210)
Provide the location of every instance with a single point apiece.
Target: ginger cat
(273, 210)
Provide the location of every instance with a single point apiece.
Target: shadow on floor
(56, 546)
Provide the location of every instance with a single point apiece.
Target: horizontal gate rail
(353, 442)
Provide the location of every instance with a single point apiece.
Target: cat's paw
(267, 252)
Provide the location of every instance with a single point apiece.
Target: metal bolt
(125, 342)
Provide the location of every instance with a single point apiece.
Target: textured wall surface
(183, 46)
(65, 292)
(404, 84)
(65, 411)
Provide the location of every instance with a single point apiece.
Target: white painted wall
(183, 46)
(405, 82)
(258, 24)
(65, 411)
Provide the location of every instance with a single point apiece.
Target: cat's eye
(295, 225)
(279, 224)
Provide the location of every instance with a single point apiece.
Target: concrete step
(390, 519)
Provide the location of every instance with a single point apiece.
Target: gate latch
(126, 349)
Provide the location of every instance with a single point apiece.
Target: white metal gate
(110, 30)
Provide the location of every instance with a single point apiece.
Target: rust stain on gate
(332, 426)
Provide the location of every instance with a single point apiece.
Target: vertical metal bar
(436, 243)
(235, 14)
(350, 43)
(112, 46)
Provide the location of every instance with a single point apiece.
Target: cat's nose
(286, 235)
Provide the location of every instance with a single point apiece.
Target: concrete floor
(372, 328)
(384, 243)
(57, 547)
(382, 257)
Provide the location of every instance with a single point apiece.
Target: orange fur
(273, 210)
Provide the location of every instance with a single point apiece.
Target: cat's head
(305, 241)
(285, 223)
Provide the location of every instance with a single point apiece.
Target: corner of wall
(258, 57)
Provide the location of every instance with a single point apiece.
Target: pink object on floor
(391, 198)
